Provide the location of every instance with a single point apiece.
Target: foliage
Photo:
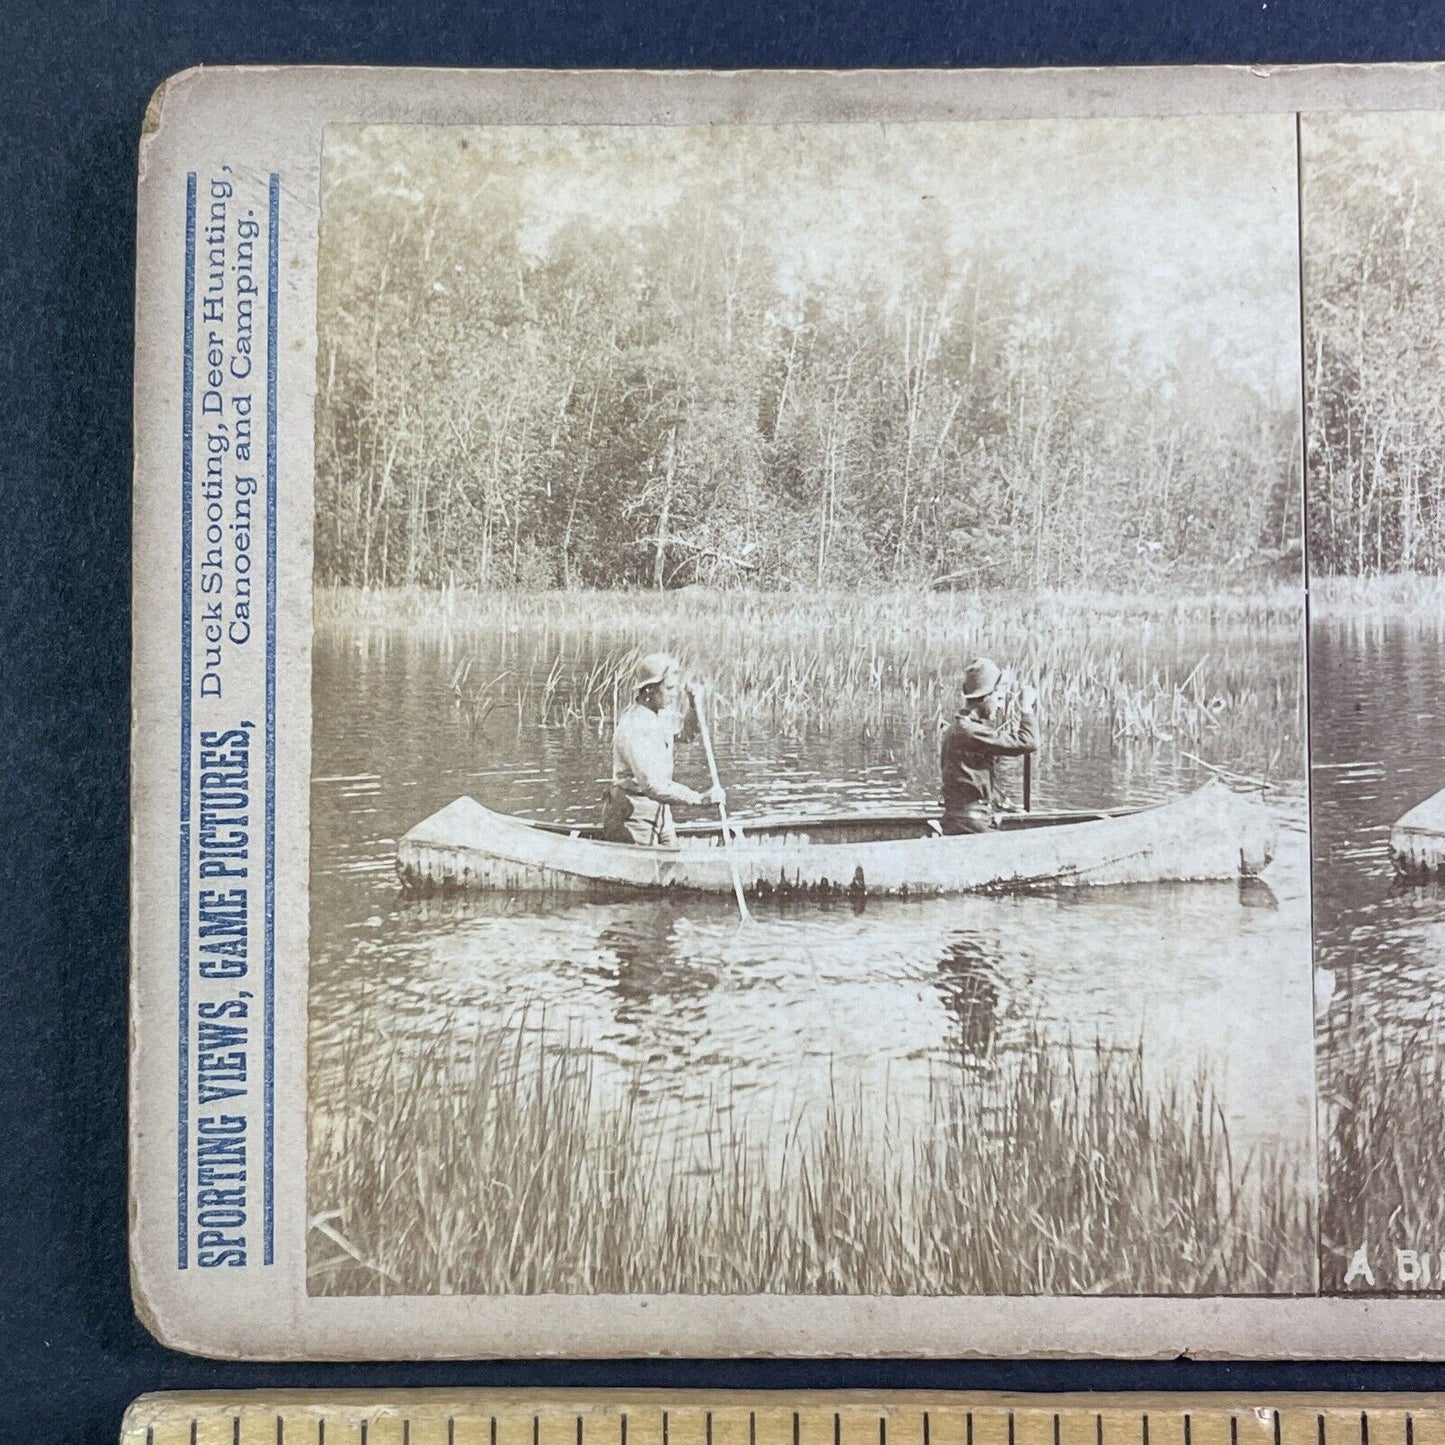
(1374, 251)
(662, 404)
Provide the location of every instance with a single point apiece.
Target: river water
(674, 999)
(1377, 727)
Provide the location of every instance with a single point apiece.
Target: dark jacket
(971, 747)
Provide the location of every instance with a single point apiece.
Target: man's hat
(980, 678)
(653, 668)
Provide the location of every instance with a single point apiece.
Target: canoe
(1417, 841)
(1213, 833)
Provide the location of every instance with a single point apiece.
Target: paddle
(1017, 698)
(722, 813)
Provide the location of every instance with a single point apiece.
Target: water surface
(1377, 729)
(674, 998)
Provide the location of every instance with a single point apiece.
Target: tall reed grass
(1411, 596)
(1222, 673)
(1384, 1099)
(1057, 1172)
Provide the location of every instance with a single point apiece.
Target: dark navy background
(75, 84)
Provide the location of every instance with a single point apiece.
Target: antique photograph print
(1373, 190)
(808, 708)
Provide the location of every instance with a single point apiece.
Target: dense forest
(1374, 249)
(608, 403)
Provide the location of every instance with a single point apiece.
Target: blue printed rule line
(183, 1061)
(268, 1049)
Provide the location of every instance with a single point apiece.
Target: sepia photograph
(808, 738)
(1373, 189)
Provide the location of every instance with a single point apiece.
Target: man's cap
(653, 668)
(980, 678)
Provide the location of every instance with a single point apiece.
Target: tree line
(1374, 252)
(658, 405)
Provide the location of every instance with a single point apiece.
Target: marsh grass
(1220, 673)
(1384, 1098)
(1413, 596)
(500, 1165)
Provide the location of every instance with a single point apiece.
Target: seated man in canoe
(638, 807)
(974, 742)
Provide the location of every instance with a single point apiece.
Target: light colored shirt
(642, 754)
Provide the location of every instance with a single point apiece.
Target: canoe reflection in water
(651, 963)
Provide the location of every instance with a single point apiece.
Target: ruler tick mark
(1332, 1420)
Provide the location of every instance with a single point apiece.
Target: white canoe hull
(1417, 841)
(1213, 833)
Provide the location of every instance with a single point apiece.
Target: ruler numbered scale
(458, 1417)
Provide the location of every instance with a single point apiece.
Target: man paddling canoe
(638, 807)
(974, 742)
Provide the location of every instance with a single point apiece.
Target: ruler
(667, 1417)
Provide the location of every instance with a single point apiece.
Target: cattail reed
(1055, 1170)
(1219, 674)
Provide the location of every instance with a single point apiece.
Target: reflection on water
(881, 995)
(777, 1016)
(1377, 731)
(968, 985)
